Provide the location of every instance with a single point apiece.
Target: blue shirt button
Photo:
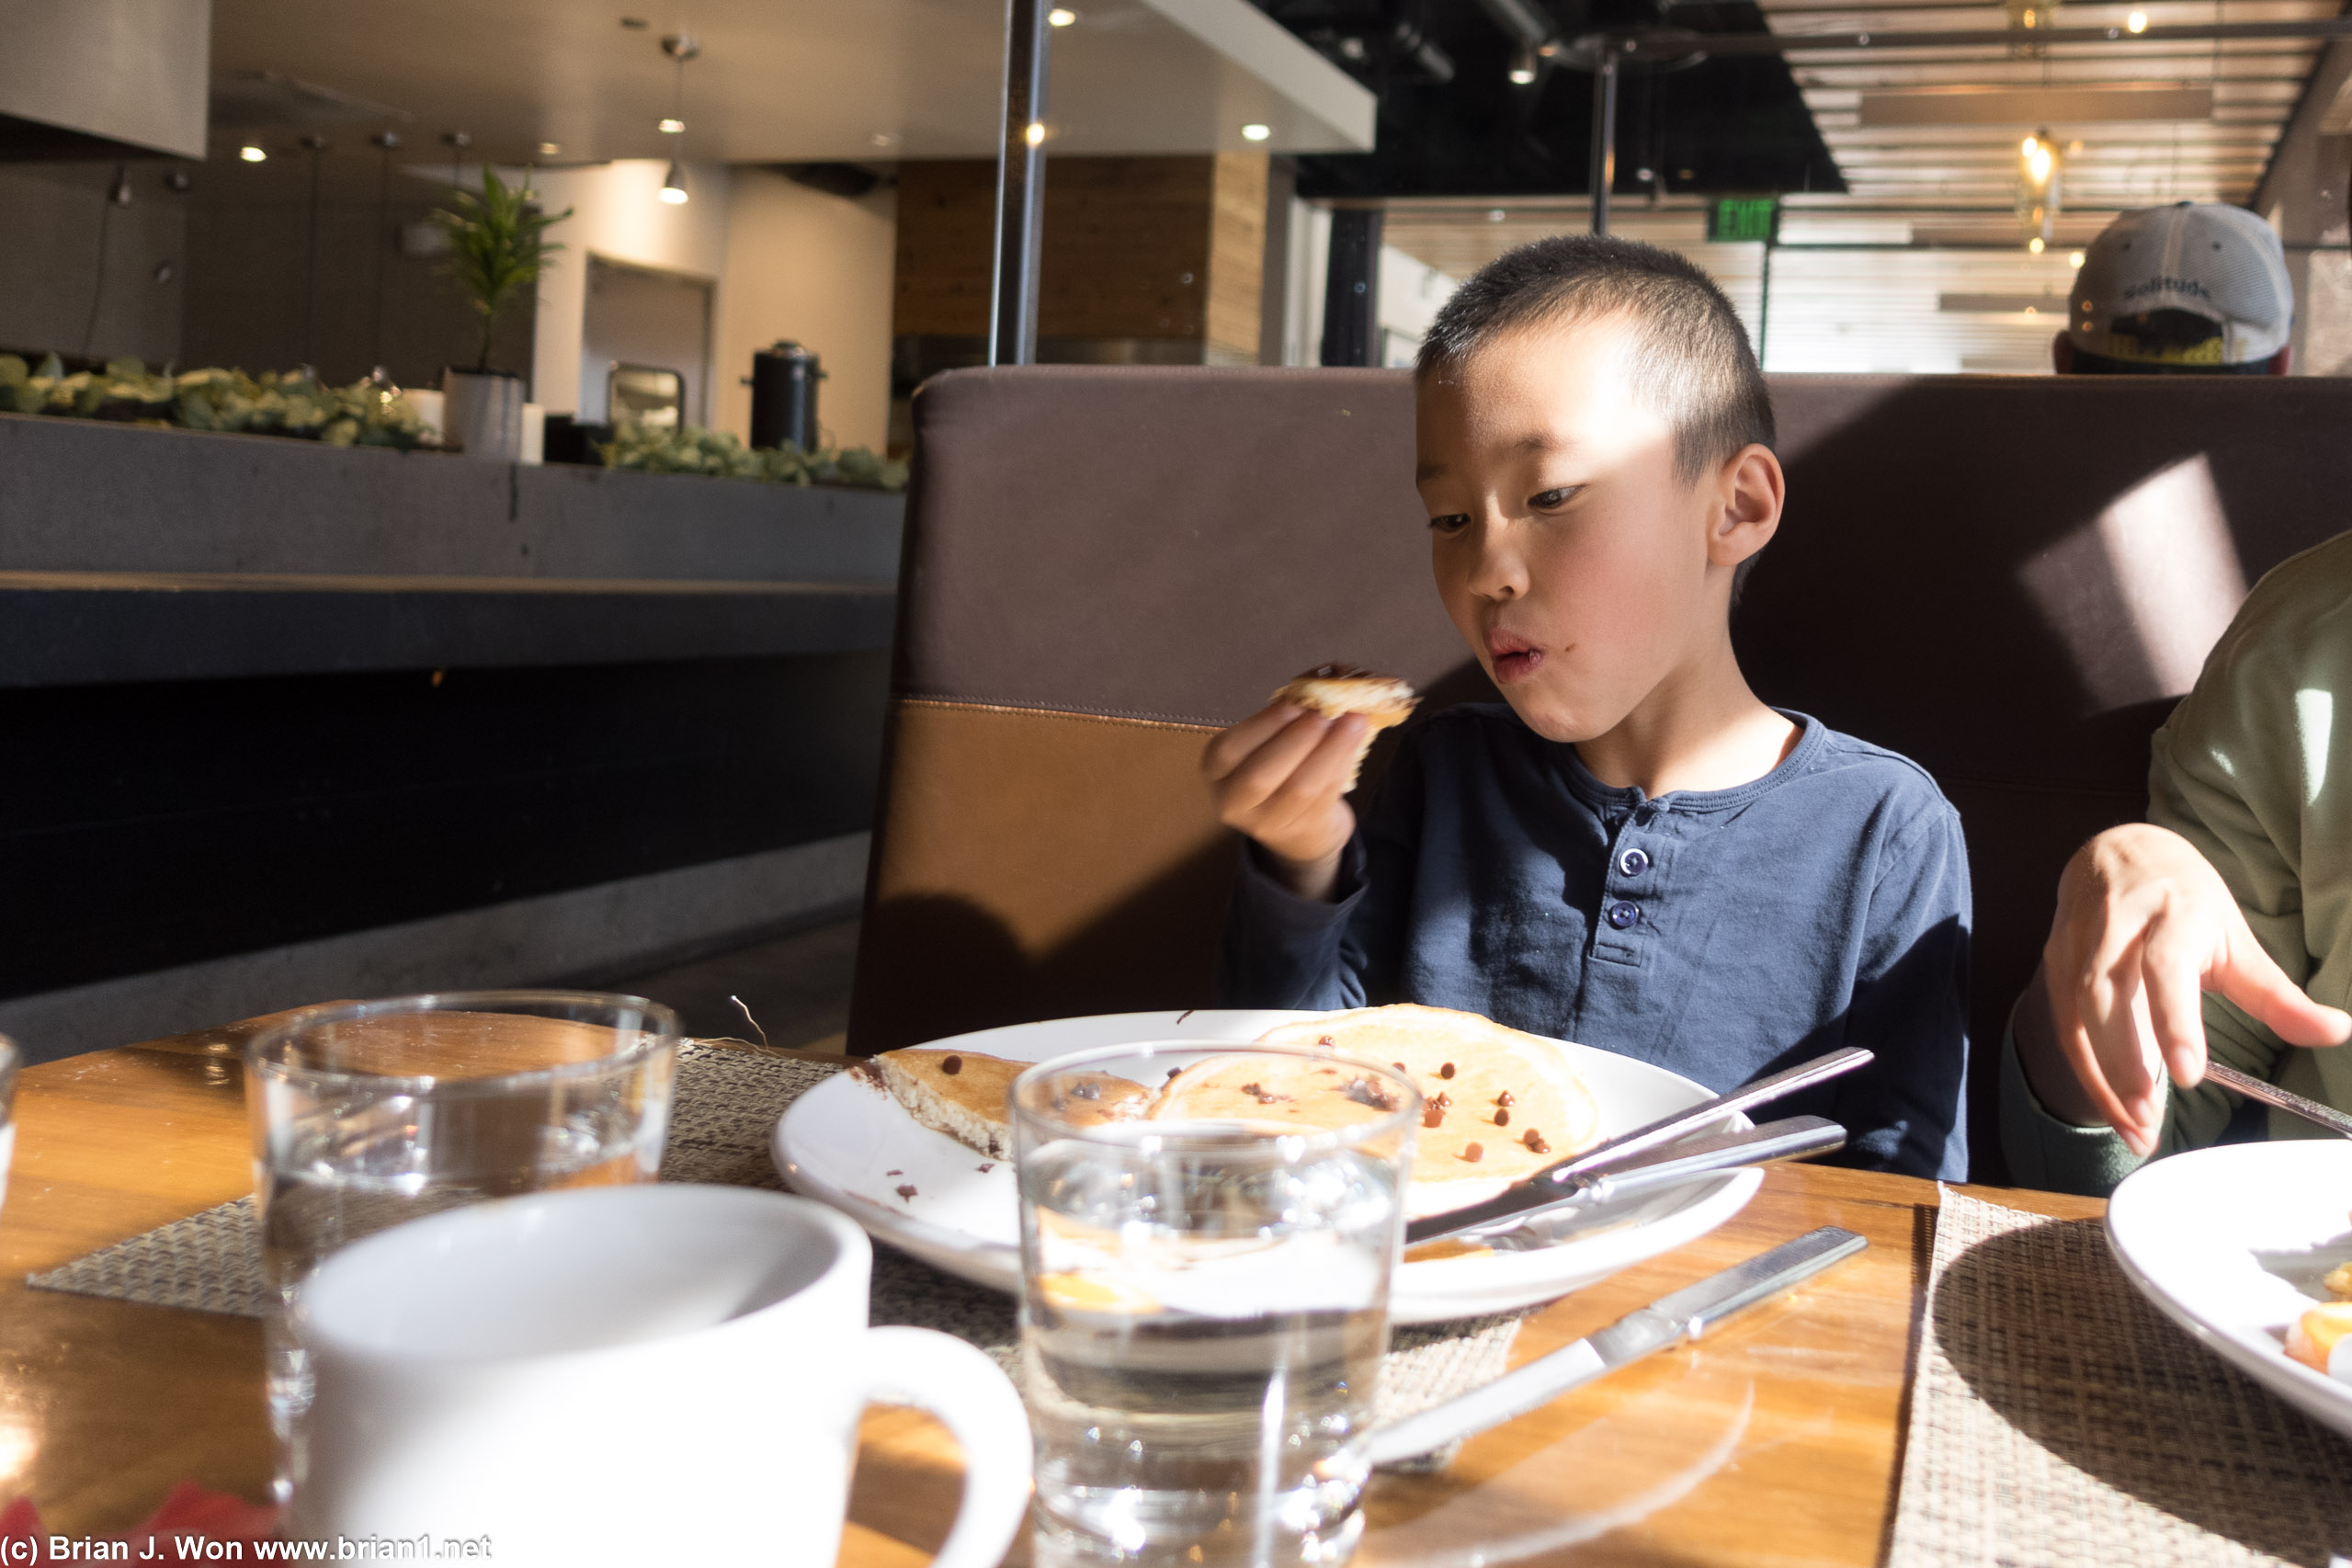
(1622, 914)
(1633, 862)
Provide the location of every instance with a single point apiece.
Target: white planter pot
(484, 415)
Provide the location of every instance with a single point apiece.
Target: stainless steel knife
(1689, 1313)
(2269, 1094)
(1558, 1191)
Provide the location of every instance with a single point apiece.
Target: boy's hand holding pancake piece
(1280, 774)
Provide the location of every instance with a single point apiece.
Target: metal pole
(1020, 187)
(1604, 133)
(1351, 294)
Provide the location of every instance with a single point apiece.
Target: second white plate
(2230, 1242)
(847, 1144)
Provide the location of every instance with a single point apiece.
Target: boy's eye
(1452, 522)
(1544, 500)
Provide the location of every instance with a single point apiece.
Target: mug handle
(979, 1405)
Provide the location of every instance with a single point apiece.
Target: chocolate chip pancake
(1333, 690)
(966, 1094)
(1498, 1105)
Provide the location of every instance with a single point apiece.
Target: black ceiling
(1452, 123)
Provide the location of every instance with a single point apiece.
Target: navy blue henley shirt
(1720, 934)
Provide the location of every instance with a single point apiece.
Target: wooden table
(1775, 1441)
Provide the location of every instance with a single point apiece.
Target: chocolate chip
(1443, 1100)
(1534, 1141)
(1400, 1067)
(906, 1189)
(1502, 1117)
(1472, 1153)
(1504, 1098)
(1324, 1040)
(1432, 1114)
(951, 1066)
(1088, 1091)
(988, 1166)
(1363, 1091)
(1447, 1070)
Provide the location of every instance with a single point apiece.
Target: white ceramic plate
(2232, 1243)
(846, 1143)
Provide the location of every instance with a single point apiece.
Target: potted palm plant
(498, 247)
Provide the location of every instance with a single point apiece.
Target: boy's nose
(1499, 570)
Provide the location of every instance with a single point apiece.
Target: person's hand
(1277, 776)
(2144, 926)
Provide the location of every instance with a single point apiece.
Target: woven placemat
(2058, 1419)
(722, 1108)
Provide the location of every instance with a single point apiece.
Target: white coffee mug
(626, 1375)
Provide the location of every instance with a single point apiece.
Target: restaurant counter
(265, 695)
(132, 554)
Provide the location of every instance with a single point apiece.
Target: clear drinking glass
(10, 1060)
(1204, 1303)
(364, 1114)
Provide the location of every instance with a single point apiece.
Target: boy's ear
(1751, 487)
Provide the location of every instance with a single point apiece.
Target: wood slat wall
(1155, 249)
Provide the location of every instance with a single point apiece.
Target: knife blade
(2269, 1094)
(1689, 1313)
(1667, 1129)
(1792, 1138)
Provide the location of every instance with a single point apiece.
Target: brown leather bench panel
(1936, 586)
(1034, 864)
(1163, 544)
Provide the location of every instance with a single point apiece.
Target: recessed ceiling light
(1256, 132)
(670, 127)
(634, 24)
(1495, 214)
(2137, 22)
(1060, 17)
(2076, 259)
(550, 148)
(2034, 244)
(251, 154)
(882, 138)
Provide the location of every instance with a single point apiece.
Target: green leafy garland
(365, 413)
(690, 449)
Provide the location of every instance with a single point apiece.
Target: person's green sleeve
(2046, 1152)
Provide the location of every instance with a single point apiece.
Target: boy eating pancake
(1635, 852)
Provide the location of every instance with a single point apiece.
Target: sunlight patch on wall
(2143, 591)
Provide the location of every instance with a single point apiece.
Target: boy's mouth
(1513, 657)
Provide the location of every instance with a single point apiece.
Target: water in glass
(1204, 1315)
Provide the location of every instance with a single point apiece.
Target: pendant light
(680, 48)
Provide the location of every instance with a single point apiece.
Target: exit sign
(1744, 218)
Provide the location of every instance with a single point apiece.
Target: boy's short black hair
(1692, 361)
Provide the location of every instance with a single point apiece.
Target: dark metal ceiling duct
(103, 78)
(261, 100)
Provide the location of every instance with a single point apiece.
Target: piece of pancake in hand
(1498, 1105)
(1331, 690)
(966, 1095)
